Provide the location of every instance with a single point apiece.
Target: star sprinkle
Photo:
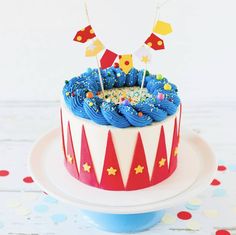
(162, 162)
(69, 159)
(87, 167)
(176, 152)
(111, 171)
(139, 169)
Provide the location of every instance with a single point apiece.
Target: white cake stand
(123, 211)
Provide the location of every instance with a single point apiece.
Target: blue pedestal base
(123, 223)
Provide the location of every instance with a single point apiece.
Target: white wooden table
(26, 210)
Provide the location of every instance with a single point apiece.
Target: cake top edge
(123, 103)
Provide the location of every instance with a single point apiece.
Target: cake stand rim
(144, 208)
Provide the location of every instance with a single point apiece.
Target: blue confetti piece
(41, 208)
(219, 192)
(58, 218)
(1, 225)
(232, 167)
(192, 207)
(49, 199)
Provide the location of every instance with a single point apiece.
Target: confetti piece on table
(14, 203)
(28, 180)
(50, 199)
(232, 167)
(168, 219)
(58, 218)
(23, 211)
(211, 213)
(193, 225)
(4, 173)
(192, 207)
(221, 168)
(41, 208)
(215, 182)
(1, 224)
(28, 196)
(222, 232)
(193, 204)
(184, 215)
(219, 192)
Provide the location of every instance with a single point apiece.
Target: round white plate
(195, 171)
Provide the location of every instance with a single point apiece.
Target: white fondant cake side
(124, 141)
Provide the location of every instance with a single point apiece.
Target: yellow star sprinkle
(86, 167)
(69, 158)
(176, 152)
(145, 59)
(139, 169)
(111, 171)
(162, 162)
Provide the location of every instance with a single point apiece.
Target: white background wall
(37, 52)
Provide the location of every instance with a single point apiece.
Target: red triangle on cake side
(138, 175)
(87, 170)
(160, 168)
(70, 161)
(111, 174)
(174, 150)
(62, 135)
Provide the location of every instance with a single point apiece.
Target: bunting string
(125, 61)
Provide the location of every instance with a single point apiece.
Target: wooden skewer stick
(100, 76)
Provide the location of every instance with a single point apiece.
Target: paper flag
(85, 34)
(155, 42)
(94, 48)
(143, 53)
(162, 28)
(107, 59)
(126, 62)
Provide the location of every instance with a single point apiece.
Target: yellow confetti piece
(211, 213)
(23, 211)
(13, 204)
(193, 225)
(168, 219)
(195, 202)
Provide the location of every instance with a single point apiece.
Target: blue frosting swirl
(145, 112)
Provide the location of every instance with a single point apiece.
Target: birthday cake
(124, 137)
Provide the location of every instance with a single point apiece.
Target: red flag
(84, 34)
(155, 42)
(107, 59)
(138, 175)
(111, 175)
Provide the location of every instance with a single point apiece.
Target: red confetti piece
(215, 182)
(28, 180)
(184, 215)
(221, 168)
(4, 173)
(222, 232)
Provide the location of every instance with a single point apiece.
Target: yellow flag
(162, 28)
(126, 63)
(94, 48)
